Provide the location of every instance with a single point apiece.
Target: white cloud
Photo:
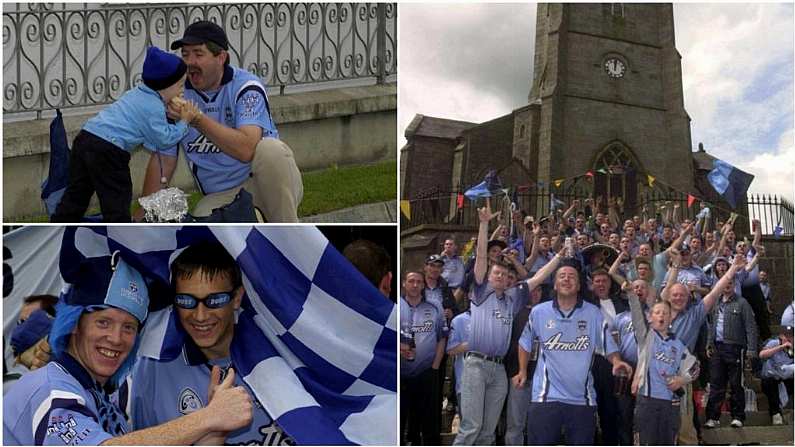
(774, 170)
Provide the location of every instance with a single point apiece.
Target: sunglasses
(212, 301)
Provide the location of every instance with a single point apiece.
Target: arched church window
(617, 9)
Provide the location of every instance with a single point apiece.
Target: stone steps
(749, 435)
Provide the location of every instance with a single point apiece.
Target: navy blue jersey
(568, 342)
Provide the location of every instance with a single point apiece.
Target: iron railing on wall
(75, 55)
(442, 207)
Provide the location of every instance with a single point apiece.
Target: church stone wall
(489, 146)
(430, 166)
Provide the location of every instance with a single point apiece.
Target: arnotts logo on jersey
(189, 401)
(425, 327)
(271, 434)
(582, 343)
(661, 357)
(65, 428)
(203, 145)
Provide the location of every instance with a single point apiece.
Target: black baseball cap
(434, 259)
(200, 32)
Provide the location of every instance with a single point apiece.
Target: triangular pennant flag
(523, 188)
(651, 179)
(405, 208)
(558, 182)
(690, 200)
(589, 174)
(601, 171)
(540, 184)
(459, 200)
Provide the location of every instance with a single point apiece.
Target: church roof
(702, 160)
(429, 126)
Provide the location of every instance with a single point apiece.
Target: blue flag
(58, 176)
(490, 186)
(317, 344)
(731, 183)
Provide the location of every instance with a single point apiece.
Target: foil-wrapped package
(166, 205)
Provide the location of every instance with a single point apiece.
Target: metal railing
(76, 55)
(434, 206)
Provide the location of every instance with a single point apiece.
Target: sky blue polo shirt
(568, 342)
(772, 366)
(425, 322)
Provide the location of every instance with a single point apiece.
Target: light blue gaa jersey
(161, 391)
(240, 101)
(425, 322)
(567, 344)
(459, 333)
(774, 367)
(665, 360)
(629, 345)
(60, 404)
(687, 324)
(491, 320)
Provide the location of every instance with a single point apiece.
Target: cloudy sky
(472, 62)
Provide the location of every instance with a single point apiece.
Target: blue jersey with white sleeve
(667, 354)
(60, 404)
(459, 333)
(568, 342)
(491, 320)
(161, 391)
(424, 321)
(240, 101)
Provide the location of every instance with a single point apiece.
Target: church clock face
(615, 68)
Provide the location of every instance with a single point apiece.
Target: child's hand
(174, 107)
(189, 112)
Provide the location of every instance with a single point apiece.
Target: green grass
(327, 190)
(337, 188)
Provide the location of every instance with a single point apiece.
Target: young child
(100, 155)
(664, 366)
(777, 368)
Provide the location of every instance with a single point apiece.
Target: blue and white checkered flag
(315, 341)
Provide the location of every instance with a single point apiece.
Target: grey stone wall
(343, 126)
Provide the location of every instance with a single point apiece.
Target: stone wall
(342, 126)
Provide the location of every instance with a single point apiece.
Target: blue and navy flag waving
(731, 183)
(314, 340)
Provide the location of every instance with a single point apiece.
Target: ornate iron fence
(75, 55)
(442, 207)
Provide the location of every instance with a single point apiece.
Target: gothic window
(616, 174)
(617, 9)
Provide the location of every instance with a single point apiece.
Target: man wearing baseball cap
(94, 340)
(234, 143)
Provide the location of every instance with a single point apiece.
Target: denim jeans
(516, 413)
(483, 390)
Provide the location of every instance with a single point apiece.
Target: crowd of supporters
(579, 327)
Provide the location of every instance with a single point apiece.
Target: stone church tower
(606, 91)
(606, 96)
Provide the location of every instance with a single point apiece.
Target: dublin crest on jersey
(189, 401)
